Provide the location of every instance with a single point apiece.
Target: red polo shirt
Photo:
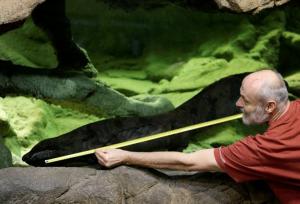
(273, 156)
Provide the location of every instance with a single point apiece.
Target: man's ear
(271, 106)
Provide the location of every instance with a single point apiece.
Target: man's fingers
(101, 157)
(101, 162)
(109, 158)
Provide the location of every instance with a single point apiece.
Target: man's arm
(202, 160)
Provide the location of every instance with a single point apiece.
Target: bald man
(273, 156)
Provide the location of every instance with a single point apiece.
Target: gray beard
(257, 117)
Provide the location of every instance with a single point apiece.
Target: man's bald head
(266, 85)
(263, 95)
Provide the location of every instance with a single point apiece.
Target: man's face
(253, 111)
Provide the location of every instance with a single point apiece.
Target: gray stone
(251, 5)
(121, 185)
(16, 10)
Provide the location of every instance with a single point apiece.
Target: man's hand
(110, 158)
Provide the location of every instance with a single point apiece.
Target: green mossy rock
(79, 91)
(28, 46)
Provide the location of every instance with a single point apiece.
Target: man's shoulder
(294, 107)
(296, 101)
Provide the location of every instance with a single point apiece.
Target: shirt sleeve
(242, 160)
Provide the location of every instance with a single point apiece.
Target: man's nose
(239, 103)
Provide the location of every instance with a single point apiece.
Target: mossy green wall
(175, 50)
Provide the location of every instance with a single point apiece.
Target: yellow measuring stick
(148, 138)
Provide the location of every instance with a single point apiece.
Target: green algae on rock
(28, 46)
(80, 91)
